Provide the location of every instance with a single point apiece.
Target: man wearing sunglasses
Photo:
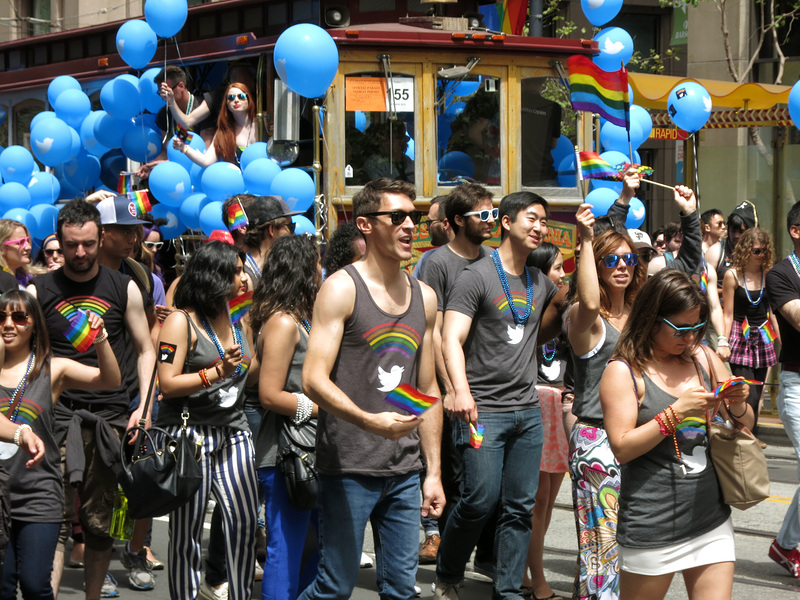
(83, 284)
(372, 331)
(491, 324)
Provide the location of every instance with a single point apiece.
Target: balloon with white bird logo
(171, 214)
(616, 48)
(16, 164)
(44, 188)
(141, 144)
(689, 106)
(61, 84)
(136, 43)
(51, 141)
(636, 214)
(600, 12)
(222, 180)
(170, 183)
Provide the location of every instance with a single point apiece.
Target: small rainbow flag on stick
(184, 133)
(141, 201)
(725, 385)
(407, 398)
(236, 216)
(79, 333)
(125, 183)
(745, 328)
(476, 435)
(594, 167)
(239, 306)
(768, 333)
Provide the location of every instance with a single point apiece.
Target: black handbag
(297, 462)
(160, 472)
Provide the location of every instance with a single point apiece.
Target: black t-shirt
(107, 295)
(7, 282)
(210, 122)
(783, 285)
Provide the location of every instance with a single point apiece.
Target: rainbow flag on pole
(125, 183)
(598, 91)
(476, 435)
(768, 333)
(513, 16)
(722, 387)
(409, 399)
(141, 201)
(745, 328)
(236, 216)
(79, 333)
(594, 167)
(239, 306)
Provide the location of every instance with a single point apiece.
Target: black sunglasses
(612, 260)
(51, 251)
(399, 216)
(240, 96)
(679, 332)
(757, 251)
(19, 317)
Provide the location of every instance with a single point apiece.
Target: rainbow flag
(595, 90)
(79, 333)
(409, 399)
(141, 201)
(640, 169)
(476, 435)
(704, 280)
(513, 16)
(186, 134)
(768, 333)
(594, 167)
(725, 385)
(236, 216)
(745, 328)
(239, 306)
(125, 183)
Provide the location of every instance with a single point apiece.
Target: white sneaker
(445, 591)
(209, 592)
(366, 561)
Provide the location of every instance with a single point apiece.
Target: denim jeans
(29, 560)
(789, 410)
(504, 472)
(346, 504)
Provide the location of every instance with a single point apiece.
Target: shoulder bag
(297, 462)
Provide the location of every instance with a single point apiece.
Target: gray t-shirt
(500, 355)
(443, 268)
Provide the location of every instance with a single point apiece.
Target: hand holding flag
(83, 329)
(407, 398)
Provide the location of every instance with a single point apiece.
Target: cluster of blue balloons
(137, 40)
(306, 59)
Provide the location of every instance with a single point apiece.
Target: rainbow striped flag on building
(79, 333)
(593, 167)
(598, 91)
(409, 399)
(141, 201)
(239, 306)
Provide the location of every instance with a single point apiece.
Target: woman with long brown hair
(236, 129)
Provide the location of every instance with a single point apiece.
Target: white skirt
(716, 546)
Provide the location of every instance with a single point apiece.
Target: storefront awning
(651, 91)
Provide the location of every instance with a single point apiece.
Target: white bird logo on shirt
(227, 398)
(391, 379)
(515, 334)
(696, 461)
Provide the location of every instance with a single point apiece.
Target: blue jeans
(789, 410)
(504, 472)
(346, 504)
(29, 560)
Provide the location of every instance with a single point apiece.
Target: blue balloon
(444, 122)
(190, 210)
(614, 137)
(88, 138)
(179, 157)
(611, 185)
(20, 215)
(794, 104)
(600, 13)
(642, 118)
(141, 144)
(616, 48)
(258, 176)
(466, 88)
(61, 84)
(72, 107)
(211, 218)
(44, 188)
(16, 164)
(120, 97)
(222, 180)
(306, 59)
(196, 173)
(615, 158)
(136, 44)
(170, 183)
(601, 200)
(252, 152)
(109, 131)
(45, 114)
(636, 214)
(303, 225)
(563, 148)
(295, 186)
(45, 217)
(361, 120)
(567, 174)
(410, 148)
(14, 195)
(51, 141)
(76, 143)
(3, 115)
(112, 163)
(166, 17)
(82, 171)
(67, 191)
(689, 106)
(455, 164)
(145, 119)
(148, 90)
(174, 226)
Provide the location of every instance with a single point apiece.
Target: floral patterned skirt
(595, 478)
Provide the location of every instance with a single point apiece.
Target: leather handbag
(297, 462)
(737, 457)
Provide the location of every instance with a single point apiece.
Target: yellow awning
(651, 91)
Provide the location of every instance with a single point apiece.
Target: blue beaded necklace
(14, 402)
(761, 292)
(547, 353)
(237, 337)
(518, 319)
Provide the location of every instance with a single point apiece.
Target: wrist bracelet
(744, 412)
(18, 433)
(722, 337)
(204, 378)
(101, 337)
(724, 344)
(218, 369)
(304, 408)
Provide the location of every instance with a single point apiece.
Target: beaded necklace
(14, 401)
(795, 262)
(518, 319)
(746, 291)
(548, 354)
(237, 338)
(251, 262)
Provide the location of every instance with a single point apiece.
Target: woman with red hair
(236, 129)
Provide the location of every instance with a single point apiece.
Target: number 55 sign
(374, 94)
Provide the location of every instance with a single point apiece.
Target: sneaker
(366, 561)
(429, 550)
(209, 592)
(140, 575)
(109, 589)
(259, 572)
(417, 591)
(444, 591)
(788, 559)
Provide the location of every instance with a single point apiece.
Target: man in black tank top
(82, 284)
(371, 332)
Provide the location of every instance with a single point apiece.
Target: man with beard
(439, 230)
(83, 284)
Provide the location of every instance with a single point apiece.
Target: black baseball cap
(264, 209)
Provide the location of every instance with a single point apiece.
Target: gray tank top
(659, 505)
(379, 351)
(587, 373)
